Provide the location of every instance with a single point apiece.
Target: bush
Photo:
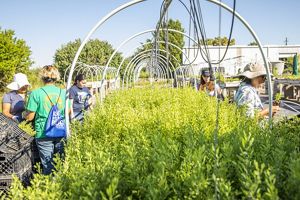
(161, 144)
(14, 56)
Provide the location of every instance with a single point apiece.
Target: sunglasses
(264, 77)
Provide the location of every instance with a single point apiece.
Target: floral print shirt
(248, 96)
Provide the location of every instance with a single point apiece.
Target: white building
(238, 56)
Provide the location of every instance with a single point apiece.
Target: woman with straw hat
(13, 102)
(247, 95)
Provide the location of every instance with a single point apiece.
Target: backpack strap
(50, 98)
(58, 96)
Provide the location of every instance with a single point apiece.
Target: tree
(216, 41)
(174, 38)
(14, 56)
(95, 52)
(254, 43)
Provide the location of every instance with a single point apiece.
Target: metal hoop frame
(131, 3)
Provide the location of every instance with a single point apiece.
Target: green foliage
(34, 78)
(288, 70)
(124, 65)
(144, 74)
(25, 126)
(232, 79)
(154, 143)
(278, 97)
(217, 40)
(14, 56)
(254, 43)
(95, 52)
(221, 78)
(291, 77)
(174, 38)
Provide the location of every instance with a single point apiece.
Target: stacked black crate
(15, 153)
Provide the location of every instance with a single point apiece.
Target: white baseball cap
(20, 80)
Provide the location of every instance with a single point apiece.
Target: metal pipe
(104, 19)
(129, 66)
(161, 73)
(178, 49)
(139, 34)
(163, 69)
(139, 55)
(142, 53)
(250, 29)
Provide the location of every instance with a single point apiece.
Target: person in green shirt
(38, 108)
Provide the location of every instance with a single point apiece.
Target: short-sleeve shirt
(16, 101)
(249, 97)
(39, 103)
(210, 92)
(80, 98)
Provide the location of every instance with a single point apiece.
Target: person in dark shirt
(80, 97)
(13, 102)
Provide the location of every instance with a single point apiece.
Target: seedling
(278, 97)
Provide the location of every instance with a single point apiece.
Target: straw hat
(19, 81)
(253, 70)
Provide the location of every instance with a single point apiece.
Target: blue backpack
(55, 125)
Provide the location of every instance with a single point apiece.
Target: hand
(265, 111)
(275, 109)
(90, 101)
(15, 118)
(24, 114)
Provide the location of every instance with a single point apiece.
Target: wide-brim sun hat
(20, 80)
(253, 70)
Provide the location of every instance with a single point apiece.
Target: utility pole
(286, 41)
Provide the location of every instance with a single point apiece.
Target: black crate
(6, 181)
(12, 138)
(16, 156)
(17, 162)
(35, 152)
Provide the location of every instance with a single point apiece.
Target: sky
(46, 25)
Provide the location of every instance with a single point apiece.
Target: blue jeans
(47, 147)
(78, 116)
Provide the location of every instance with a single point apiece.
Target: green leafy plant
(27, 127)
(160, 143)
(14, 56)
(277, 99)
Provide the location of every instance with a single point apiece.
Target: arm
(29, 116)
(265, 111)
(89, 96)
(71, 102)
(219, 90)
(6, 110)
(31, 107)
(201, 87)
(6, 106)
(71, 112)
